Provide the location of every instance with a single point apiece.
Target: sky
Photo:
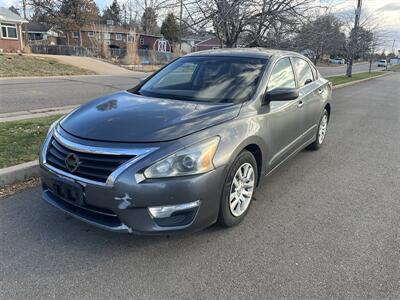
(385, 14)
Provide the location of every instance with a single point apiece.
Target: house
(41, 32)
(208, 44)
(199, 42)
(11, 33)
(115, 37)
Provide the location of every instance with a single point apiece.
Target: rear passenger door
(309, 96)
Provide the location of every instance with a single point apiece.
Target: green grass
(20, 140)
(26, 65)
(395, 68)
(357, 76)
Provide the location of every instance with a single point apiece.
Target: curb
(357, 81)
(36, 113)
(19, 172)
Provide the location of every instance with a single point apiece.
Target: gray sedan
(188, 146)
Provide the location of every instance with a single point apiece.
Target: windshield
(207, 78)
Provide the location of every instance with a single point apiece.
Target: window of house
(106, 35)
(282, 75)
(75, 34)
(118, 36)
(9, 31)
(90, 34)
(303, 71)
(141, 41)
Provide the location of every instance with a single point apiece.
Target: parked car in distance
(337, 60)
(382, 63)
(187, 146)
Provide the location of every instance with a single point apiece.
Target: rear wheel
(321, 132)
(238, 190)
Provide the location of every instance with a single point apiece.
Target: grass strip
(356, 76)
(20, 141)
(27, 65)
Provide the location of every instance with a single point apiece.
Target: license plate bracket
(69, 191)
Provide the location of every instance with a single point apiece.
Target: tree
(322, 35)
(170, 28)
(149, 21)
(67, 15)
(257, 20)
(114, 13)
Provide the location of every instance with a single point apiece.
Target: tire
(321, 133)
(243, 190)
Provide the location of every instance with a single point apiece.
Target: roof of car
(246, 52)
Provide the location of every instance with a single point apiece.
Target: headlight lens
(195, 159)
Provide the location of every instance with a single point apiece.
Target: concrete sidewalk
(36, 113)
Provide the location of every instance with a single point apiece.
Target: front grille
(92, 166)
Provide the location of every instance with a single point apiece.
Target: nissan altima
(188, 146)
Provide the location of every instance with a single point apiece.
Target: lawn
(395, 68)
(27, 65)
(357, 76)
(20, 140)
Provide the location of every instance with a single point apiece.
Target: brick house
(11, 33)
(115, 37)
(92, 35)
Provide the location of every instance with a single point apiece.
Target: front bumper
(123, 207)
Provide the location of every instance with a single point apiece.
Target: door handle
(300, 105)
(320, 91)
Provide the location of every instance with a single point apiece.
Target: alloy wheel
(322, 128)
(242, 189)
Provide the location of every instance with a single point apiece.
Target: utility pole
(354, 39)
(180, 26)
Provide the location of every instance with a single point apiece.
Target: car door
(309, 96)
(283, 118)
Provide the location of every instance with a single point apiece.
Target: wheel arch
(255, 150)
(328, 109)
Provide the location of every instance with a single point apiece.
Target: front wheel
(321, 133)
(238, 190)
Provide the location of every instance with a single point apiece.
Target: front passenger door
(284, 117)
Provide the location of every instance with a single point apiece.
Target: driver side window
(282, 75)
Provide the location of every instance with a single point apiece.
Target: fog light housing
(169, 210)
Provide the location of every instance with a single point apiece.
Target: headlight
(195, 159)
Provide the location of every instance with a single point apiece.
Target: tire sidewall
(226, 218)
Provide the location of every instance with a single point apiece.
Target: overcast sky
(385, 12)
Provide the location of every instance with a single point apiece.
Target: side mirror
(284, 94)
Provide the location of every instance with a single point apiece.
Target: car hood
(125, 117)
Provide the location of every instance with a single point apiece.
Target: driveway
(93, 64)
(325, 225)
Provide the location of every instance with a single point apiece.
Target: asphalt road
(27, 94)
(326, 225)
(341, 70)
(33, 93)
